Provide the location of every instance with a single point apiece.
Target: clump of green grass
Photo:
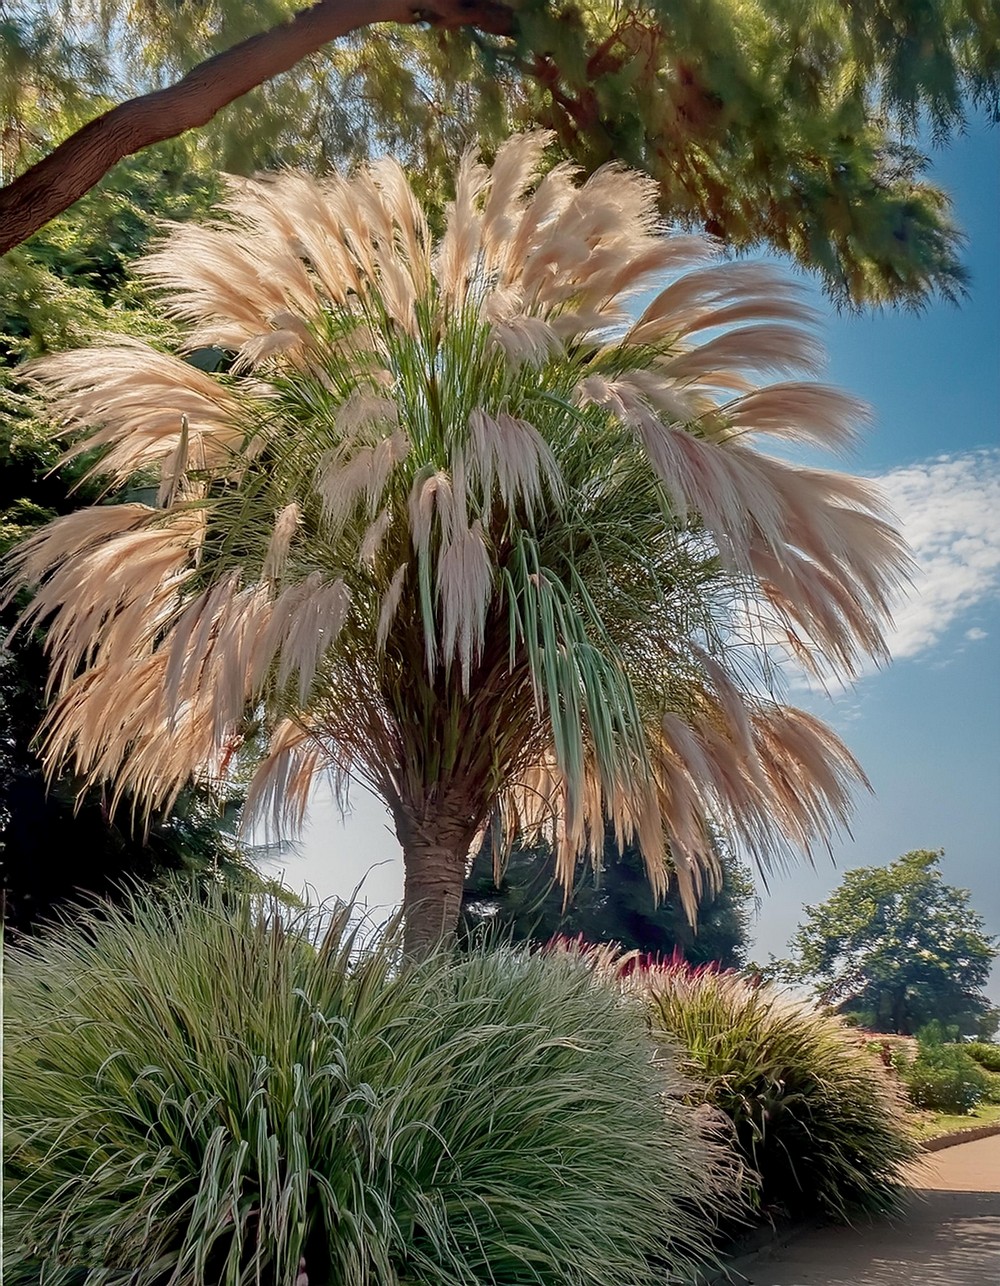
(199, 1092)
(814, 1113)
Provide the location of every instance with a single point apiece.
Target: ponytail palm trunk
(456, 524)
(435, 836)
(446, 777)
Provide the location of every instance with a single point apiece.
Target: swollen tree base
(435, 853)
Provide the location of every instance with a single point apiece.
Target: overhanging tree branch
(83, 159)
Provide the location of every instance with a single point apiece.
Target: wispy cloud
(949, 508)
(975, 634)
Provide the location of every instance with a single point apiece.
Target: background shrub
(943, 1078)
(196, 1093)
(814, 1112)
(984, 1053)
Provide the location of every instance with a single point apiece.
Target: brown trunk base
(435, 852)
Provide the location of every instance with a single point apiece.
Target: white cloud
(949, 509)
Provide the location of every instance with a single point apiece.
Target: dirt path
(949, 1236)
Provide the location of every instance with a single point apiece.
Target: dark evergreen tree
(614, 905)
(58, 844)
(56, 841)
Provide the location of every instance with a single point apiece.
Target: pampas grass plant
(454, 522)
(815, 1114)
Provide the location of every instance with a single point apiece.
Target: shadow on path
(947, 1236)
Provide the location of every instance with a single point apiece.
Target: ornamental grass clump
(815, 1114)
(202, 1094)
(451, 520)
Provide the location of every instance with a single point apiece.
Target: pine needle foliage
(798, 127)
(816, 1115)
(463, 527)
(205, 1093)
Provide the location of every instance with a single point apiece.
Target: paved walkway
(949, 1236)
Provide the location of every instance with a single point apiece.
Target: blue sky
(927, 728)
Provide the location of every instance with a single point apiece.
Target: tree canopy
(610, 901)
(766, 122)
(898, 948)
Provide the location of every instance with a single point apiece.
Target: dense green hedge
(944, 1078)
(985, 1054)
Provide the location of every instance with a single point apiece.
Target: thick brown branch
(52, 185)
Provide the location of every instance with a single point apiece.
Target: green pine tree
(612, 904)
(769, 122)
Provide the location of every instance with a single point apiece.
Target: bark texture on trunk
(77, 164)
(435, 845)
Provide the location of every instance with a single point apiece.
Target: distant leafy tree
(614, 904)
(897, 948)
